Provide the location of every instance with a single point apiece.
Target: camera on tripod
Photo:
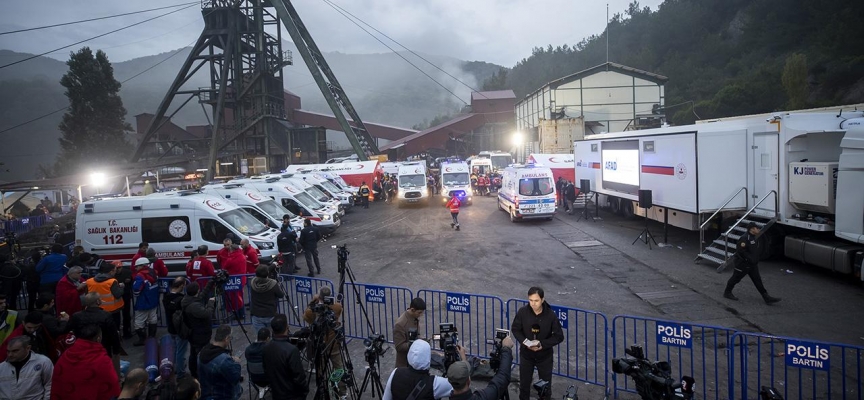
(221, 276)
(653, 379)
(324, 306)
(300, 338)
(374, 344)
(342, 252)
(495, 355)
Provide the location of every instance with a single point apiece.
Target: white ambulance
(412, 183)
(346, 200)
(456, 177)
(297, 201)
(261, 207)
(173, 223)
(527, 192)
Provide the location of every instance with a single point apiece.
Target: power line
(395, 52)
(403, 46)
(94, 19)
(95, 37)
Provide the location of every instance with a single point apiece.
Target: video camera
(412, 335)
(342, 252)
(300, 338)
(495, 355)
(653, 379)
(448, 340)
(374, 344)
(324, 306)
(221, 276)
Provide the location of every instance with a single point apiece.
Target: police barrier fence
(384, 304)
(798, 369)
(22, 225)
(475, 316)
(299, 291)
(584, 353)
(700, 351)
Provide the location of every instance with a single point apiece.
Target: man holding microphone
(537, 329)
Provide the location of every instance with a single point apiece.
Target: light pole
(97, 179)
(517, 140)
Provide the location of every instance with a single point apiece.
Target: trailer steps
(724, 246)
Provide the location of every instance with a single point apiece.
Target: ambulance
(346, 200)
(318, 194)
(455, 177)
(173, 223)
(412, 184)
(297, 201)
(261, 207)
(527, 192)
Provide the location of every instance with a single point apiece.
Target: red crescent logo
(552, 160)
(214, 205)
(253, 196)
(360, 166)
(290, 189)
(448, 169)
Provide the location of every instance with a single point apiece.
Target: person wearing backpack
(171, 302)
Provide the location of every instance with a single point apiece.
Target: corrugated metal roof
(426, 131)
(493, 95)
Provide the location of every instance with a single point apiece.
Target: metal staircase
(725, 245)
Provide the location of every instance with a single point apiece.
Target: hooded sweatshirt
(265, 294)
(84, 372)
(219, 374)
(419, 358)
(544, 327)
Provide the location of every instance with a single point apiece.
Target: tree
(795, 81)
(498, 81)
(93, 129)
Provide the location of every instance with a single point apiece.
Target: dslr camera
(412, 335)
(495, 355)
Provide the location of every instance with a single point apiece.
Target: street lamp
(517, 141)
(97, 179)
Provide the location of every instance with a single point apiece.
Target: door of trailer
(766, 165)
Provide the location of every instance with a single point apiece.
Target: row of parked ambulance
(175, 223)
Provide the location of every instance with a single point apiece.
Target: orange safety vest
(109, 302)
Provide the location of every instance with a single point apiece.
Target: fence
(475, 316)
(584, 353)
(700, 351)
(383, 304)
(798, 369)
(22, 225)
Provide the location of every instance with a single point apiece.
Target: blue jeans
(260, 322)
(181, 347)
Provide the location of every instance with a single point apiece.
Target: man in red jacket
(251, 255)
(69, 291)
(84, 371)
(453, 206)
(155, 263)
(200, 267)
(235, 264)
(142, 252)
(222, 255)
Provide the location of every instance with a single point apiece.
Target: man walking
(453, 205)
(309, 238)
(747, 264)
(537, 329)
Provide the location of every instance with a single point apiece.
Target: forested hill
(730, 57)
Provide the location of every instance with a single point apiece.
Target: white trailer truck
(801, 170)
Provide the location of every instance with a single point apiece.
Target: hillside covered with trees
(728, 57)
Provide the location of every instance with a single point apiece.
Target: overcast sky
(497, 31)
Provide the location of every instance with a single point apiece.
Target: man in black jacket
(172, 302)
(197, 308)
(537, 329)
(459, 375)
(282, 364)
(286, 243)
(747, 264)
(309, 238)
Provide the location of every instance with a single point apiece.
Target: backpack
(183, 330)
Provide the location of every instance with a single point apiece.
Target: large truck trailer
(802, 171)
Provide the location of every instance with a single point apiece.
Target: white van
(412, 183)
(346, 200)
(455, 177)
(481, 165)
(297, 201)
(254, 202)
(174, 223)
(527, 191)
(316, 193)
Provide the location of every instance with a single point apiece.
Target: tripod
(372, 377)
(221, 296)
(645, 234)
(326, 378)
(584, 213)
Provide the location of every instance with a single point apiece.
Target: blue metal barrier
(298, 293)
(584, 353)
(475, 316)
(797, 368)
(700, 351)
(22, 225)
(384, 304)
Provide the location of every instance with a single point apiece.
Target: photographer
(404, 381)
(407, 326)
(459, 375)
(538, 330)
(264, 295)
(197, 308)
(311, 315)
(282, 364)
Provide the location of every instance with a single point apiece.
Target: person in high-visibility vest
(109, 290)
(453, 205)
(364, 194)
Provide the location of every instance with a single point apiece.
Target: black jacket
(171, 302)
(749, 249)
(284, 370)
(549, 332)
(287, 241)
(405, 379)
(255, 364)
(497, 386)
(196, 314)
(265, 294)
(570, 191)
(309, 237)
(97, 316)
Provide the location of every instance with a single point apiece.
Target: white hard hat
(142, 261)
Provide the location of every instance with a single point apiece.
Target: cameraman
(415, 381)
(197, 308)
(335, 349)
(407, 323)
(459, 375)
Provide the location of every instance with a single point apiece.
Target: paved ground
(586, 264)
